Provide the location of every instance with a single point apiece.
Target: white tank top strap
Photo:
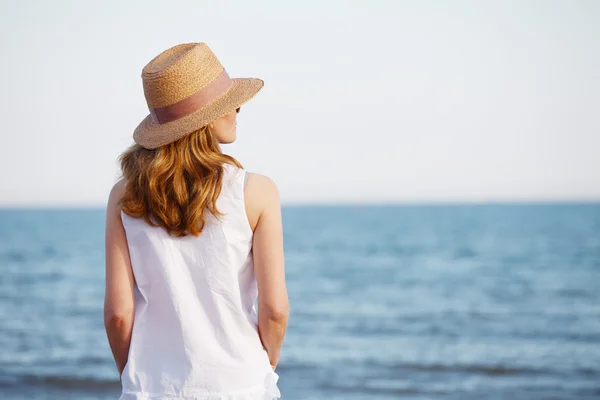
(234, 180)
(234, 183)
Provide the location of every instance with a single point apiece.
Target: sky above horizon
(364, 101)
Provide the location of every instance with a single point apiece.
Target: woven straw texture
(176, 74)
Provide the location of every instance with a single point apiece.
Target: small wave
(481, 369)
(22, 256)
(492, 370)
(474, 369)
(70, 382)
(464, 253)
(14, 256)
(370, 389)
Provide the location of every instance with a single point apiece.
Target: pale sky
(370, 101)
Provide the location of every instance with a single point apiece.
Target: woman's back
(195, 331)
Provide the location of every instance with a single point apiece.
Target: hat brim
(150, 134)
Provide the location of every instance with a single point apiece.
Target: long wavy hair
(172, 186)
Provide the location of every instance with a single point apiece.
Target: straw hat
(186, 88)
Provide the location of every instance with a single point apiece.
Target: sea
(431, 301)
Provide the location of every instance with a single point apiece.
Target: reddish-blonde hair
(172, 186)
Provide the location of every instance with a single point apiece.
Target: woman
(192, 240)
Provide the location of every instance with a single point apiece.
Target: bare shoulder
(261, 184)
(261, 194)
(116, 193)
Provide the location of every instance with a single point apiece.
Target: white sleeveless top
(195, 331)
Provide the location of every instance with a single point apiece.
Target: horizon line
(350, 203)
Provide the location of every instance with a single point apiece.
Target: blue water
(398, 302)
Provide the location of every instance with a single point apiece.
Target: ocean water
(388, 302)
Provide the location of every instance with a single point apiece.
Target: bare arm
(118, 297)
(262, 197)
